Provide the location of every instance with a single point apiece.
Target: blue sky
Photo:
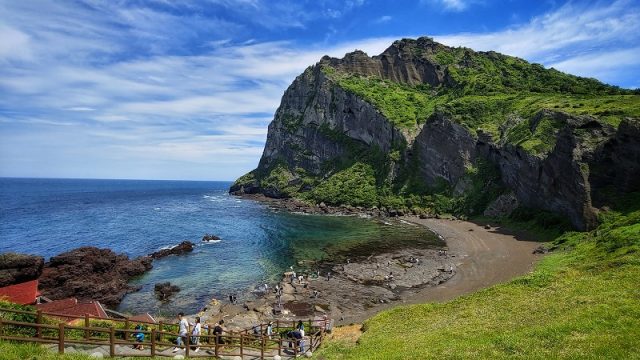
(163, 89)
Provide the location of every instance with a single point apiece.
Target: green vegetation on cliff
(501, 103)
(582, 301)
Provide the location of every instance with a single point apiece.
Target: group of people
(196, 332)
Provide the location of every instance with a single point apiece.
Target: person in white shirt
(183, 331)
(195, 334)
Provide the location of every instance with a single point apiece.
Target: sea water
(49, 216)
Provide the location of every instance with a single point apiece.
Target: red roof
(71, 307)
(143, 318)
(24, 293)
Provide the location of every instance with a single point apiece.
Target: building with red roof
(143, 318)
(72, 309)
(25, 293)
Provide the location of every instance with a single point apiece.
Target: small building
(145, 318)
(71, 309)
(25, 293)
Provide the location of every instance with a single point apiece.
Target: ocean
(49, 216)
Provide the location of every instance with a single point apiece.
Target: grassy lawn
(581, 302)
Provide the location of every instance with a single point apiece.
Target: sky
(163, 89)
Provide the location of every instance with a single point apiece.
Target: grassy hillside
(580, 302)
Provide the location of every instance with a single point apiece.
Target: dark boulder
(18, 268)
(209, 237)
(182, 248)
(89, 273)
(165, 290)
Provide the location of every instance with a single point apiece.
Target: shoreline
(477, 257)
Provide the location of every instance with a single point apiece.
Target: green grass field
(581, 302)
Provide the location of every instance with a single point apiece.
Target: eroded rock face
(318, 123)
(18, 268)
(617, 161)
(89, 273)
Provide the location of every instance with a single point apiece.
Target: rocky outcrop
(18, 268)
(504, 205)
(402, 62)
(89, 273)
(616, 163)
(180, 249)
(320, 124)
(165, 290)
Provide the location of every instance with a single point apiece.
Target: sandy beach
(476, 257)
(485, 257)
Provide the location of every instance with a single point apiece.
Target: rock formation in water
(424, 127)
(182, 248)
(89, 273)
(18, 268)
(165, 290)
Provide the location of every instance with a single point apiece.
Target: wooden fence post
(280, 347)
(153, 342)
(216, 342)
(262, 347)
(86, 324)
(112, 341)
(1, 328)
(186, 345)
(126, 327)
(61, 338)
(209, 333)
(241, 346)
(38, 321)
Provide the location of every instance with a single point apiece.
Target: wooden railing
(158, 341)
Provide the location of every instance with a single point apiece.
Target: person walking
(270, 329)
(195, 334)
(183, 332)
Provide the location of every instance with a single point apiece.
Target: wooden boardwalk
(115, 338)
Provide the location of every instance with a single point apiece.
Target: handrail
(239, 343)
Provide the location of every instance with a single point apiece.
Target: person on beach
(195, 334)
(183, 331)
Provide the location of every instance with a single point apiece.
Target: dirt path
(485, 257)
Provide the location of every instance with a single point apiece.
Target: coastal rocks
(182, 248)
(89, 273)
(18, 268)
(165, 290)
(210, 238)
(503, 206)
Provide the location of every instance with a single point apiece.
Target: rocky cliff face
(549, 158)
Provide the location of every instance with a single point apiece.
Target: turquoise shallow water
(49, 216)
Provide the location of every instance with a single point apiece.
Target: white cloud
(14, 44)
(450, 5)
(559, 33)
(383, 19)
(73, 71)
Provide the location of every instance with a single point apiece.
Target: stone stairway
(102, 351)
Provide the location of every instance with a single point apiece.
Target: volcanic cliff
(430, 128)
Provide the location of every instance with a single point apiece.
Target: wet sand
(485, 257)
(476, 258)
